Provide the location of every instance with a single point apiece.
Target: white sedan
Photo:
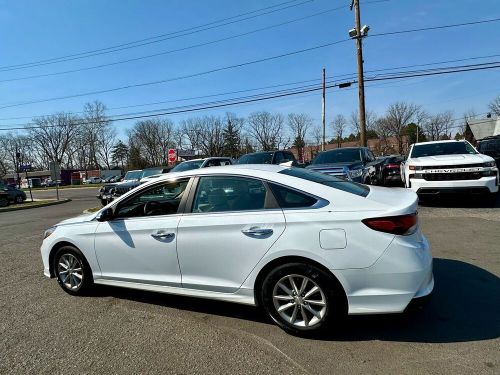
(305, 246)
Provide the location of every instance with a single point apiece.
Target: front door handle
(162, 234)
(257, 231)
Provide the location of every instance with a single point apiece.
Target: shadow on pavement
(465, 306)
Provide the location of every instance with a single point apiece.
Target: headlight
(48, 232)
(356, 173)
(490, 164)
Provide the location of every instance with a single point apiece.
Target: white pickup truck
(438, 167)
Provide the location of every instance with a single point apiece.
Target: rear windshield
(151, 172)
(132, 175)
(338, 156)
(187, 165)
(325, 179)
(445, 148)
(258, 158)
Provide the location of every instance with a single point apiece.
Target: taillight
(395, 166)
(402, 225)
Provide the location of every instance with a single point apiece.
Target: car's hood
(458, 159)
(78, 219)
(350, 165)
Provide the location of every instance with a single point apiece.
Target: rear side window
(288, 198)
(324, 179)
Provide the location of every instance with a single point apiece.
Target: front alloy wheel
(72, 272)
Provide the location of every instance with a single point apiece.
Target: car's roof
(443, 141)
(344, 148)
(251, 169)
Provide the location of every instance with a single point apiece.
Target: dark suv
(490, 146)
(14, 194)
(268, 157)
(356, 164)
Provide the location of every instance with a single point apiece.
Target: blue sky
(37, 30)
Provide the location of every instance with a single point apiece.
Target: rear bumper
(401, 274)
(484, 184)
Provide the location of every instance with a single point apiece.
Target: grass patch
(64, 187)
(26, 204)
(93, 209)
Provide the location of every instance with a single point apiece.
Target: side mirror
(105, 215)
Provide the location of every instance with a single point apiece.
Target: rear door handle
(257, 231)
(162, 234)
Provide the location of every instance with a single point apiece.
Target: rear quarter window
(289, 198)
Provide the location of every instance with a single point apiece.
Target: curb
(41, 205)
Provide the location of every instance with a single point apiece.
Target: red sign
(172, 155)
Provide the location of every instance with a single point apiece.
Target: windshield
(150, 172)
(325, 179)
(257, 158)
(445, 148)
(338, 156)
(187, 165)
(132, 175)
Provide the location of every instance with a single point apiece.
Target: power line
(156, 39)
(224, 68)
(173, 50)
(346, 75)
(261, 97)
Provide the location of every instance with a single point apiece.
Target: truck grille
(452, 176)
(333, 171)
(451, 166)
(120, 190)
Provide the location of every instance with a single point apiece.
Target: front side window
(288, 198)
(161, 199)
(257, 158)
(227, 193)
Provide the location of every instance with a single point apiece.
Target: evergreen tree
(232, 140)
(119, 154)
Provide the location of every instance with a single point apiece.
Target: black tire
(19, 199)
(69, 285)
(331, 293)
(367, 181)
(490, 199)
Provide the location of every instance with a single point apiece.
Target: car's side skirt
(243, 296)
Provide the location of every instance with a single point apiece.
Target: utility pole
(18, 155)
(361, 84)
(323, 117)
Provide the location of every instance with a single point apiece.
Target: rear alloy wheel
(72, 271)
(19, 199)
(300, 298)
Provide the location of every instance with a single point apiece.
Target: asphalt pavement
(44, 330)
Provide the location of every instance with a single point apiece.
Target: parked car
(202, 163)
(391, 170)
(269, 157)
(306, 247)
(13, 193)
(106, 192)
(4, 199)
(356, 164)
(111, 179)
(93, 180)
(440, 167)
(490, 146)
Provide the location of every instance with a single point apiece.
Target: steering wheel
(149, 207)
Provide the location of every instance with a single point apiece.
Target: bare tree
(52, 135)
(106, 140)
(268, 130)
(437, 126)
(299, 124)
(370, 120)
(397, 117)
(339, 125)
(212, 135)
(151, 139)
(494, 106)
(192, 130)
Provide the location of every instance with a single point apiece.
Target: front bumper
(45, 251)
(421, 186)
(401, 274)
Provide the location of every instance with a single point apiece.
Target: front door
(139, 243)
(232, 223)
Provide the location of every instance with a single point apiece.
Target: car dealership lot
(117, 330)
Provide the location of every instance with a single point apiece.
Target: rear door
(229, 224)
